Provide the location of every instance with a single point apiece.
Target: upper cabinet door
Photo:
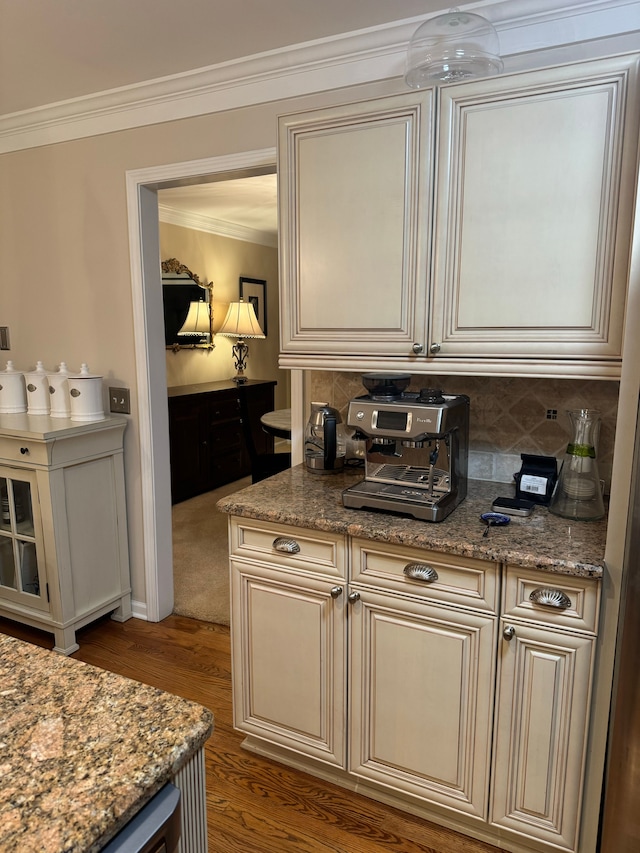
(355, 221)
(535, 186)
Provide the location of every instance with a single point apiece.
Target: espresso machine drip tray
(404, 499)
(433, 480)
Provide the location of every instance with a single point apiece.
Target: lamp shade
(198, 321)
(451, 47)
(241, 322)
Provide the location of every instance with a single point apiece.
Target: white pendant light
(451, 47)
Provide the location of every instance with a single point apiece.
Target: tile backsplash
(507, 416)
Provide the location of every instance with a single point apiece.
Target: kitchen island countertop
(541, 541)
(82, 749)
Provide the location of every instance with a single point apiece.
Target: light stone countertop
(541, 541)
(82, 749)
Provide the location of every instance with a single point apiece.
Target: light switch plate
(119, 401)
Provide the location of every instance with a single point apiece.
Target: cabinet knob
(24, 450)
(417, 348)
(434, 348)
(336, 591)
(509, 632)
(353, 597)
(420, 572)
(286, 546)
(549, 597)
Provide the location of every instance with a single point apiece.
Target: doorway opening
(144, 237)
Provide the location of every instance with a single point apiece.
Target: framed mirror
(188, 321)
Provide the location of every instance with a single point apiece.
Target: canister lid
(39, 370)
(84, 373)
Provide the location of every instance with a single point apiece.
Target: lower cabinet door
(541, 728)
(23, 580)
(421, 699)
(289, 648)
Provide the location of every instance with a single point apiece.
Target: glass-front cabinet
(64, 554)
(21, 560)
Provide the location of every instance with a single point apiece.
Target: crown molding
(200, 222)
(525, 27)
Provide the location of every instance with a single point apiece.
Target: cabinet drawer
(224, 409)
(578, 611)
(23, 450)
(448, 578)
(227, 439)
(228, 467)
(289, 547)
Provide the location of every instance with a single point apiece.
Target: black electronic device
(513, 506)
(536, 479)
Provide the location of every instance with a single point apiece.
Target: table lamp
(241, 322)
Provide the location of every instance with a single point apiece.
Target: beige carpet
(201, 556)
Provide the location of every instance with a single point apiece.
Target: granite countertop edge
(82, 750)
(542, 541)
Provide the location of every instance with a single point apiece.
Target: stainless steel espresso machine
(416, 448)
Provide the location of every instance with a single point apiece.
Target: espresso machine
(416, 454)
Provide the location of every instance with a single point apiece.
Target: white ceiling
(54, 50)
(245, 202)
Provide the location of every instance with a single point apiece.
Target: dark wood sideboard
(206, 440)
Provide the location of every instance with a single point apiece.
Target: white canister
(37, 390)
(85, 396)
(13, 393)
(59, 399)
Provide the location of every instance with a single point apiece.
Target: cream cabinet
(446, 685)
(519, 266)
(291, 616)
(354, 185)
(535, 196)
(63, 531)
(288, 593)
(419, 629)
(544, 688)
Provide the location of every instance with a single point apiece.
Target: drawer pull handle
(550, 598)
(24, 450)
(509, 632)
(420, 572)
(286, 546)
(353, 597)
(336, 591)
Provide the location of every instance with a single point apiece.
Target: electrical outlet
(4, 337)
(119, 401)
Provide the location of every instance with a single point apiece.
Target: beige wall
(64, 239)
(223, 260)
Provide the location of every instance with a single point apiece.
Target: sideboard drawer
(224, 408)
(23, 450)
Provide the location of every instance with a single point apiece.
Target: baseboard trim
(139, 610)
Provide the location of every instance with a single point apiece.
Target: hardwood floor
(254, 805)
